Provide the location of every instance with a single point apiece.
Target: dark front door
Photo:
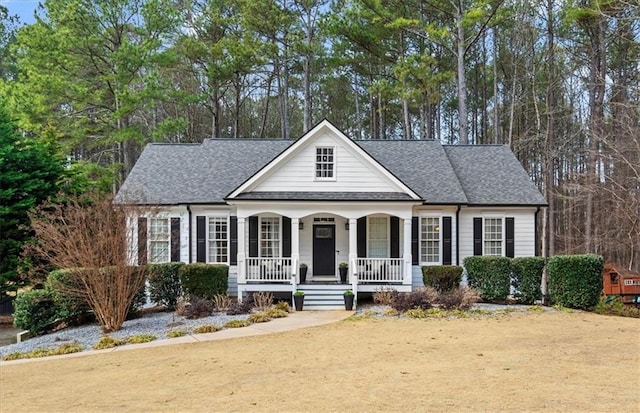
(324, 250)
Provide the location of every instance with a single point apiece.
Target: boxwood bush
(443, 278)
(35, 311)
(204, 280)
(526, 278)
(70, 307)
(490, 275)
(575, 281)
(164, 283)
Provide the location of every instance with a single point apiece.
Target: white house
(385, 208)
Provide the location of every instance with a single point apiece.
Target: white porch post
(407, 252)
(353, 245)
(295, 248)
(242, 274)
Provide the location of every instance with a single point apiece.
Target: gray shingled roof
(169, 174)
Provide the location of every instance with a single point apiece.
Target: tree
(30, 172)
(89, 233)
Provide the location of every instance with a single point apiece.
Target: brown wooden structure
(617, 280)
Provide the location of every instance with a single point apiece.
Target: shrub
(221, 302)
(198, 308)
(141, 338)
(526, 278)
(177, 333)
(207, 328)
(204, 280)
(258, 318)
(66, 348)
(35, 311)
(276, 313)
(417, 313)
(70, 308)
(384, 296)
(421, 298)
(491, 275)
(262, 300)
(108, 342)
(240, 307)
(237, 323)
(613, 305)
(164, 283)
(462, 298)
(575, 281)
(442, 277)
(282, 305)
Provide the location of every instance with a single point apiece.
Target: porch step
(323, 296)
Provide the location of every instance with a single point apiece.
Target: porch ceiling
(325, 196)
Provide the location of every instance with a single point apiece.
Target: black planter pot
(343, 274)
(348, 302)
(298, 301)
(303, 275)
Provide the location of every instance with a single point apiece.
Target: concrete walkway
(295, 321)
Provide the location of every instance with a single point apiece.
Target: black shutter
(510, 248)
(142, 241)
(395, 237)
(175, 239)
(253, 236)
(446, 240)
(415, 232)
(286, 237)
(362, 237)
(477, 236)
(233, 240)
(201, 239)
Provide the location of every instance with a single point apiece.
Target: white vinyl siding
(159, 240)
(269, 237)
(378, 242)
(218, 240)
(493, 236)
(430, 240)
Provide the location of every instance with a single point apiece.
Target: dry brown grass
(577, 362)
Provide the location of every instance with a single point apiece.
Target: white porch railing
(373, 270)
(269, 269)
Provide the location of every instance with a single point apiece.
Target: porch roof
(325, 196)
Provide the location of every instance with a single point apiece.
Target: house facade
(382, 208)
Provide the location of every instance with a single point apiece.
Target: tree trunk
(462, 86)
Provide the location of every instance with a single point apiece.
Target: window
(378, 237)
(324, 162)
(493, 236)
(430, 240)
(270, 237)
(159, 240)
(218, 242)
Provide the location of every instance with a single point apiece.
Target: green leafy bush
(442, 277)
(491, 275)
(35, 311)
(575, 281)
(526, 278)
(164, 283)
(70, 307)
(613, 305)
(204, 280)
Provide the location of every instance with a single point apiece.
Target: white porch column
(242, 274)
(353, 245)
(295, 248)
(407, 252)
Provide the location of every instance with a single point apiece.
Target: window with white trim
(159, 240)
(430, 240)
(493, 235)
(325, 163)
(218, 240)
(378, 242)
(269, 237)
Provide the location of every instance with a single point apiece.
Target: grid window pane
(324, 162)
(378, 237)
(159, 240)
(430, 240)
(493, 236)
(270, 237)
(218, 242)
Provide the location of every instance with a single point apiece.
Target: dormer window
(325, 167)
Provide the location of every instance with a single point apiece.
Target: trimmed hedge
(35, 311)
(526, 278)
(575, 281)
(70, 308)
(491, 275)
(164, 283)
(204, 280)
(443, 278)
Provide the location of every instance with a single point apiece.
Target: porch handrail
(268, 269)
(372, 270)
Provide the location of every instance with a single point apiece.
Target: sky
(23, 8)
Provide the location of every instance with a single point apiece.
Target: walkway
(296, 320)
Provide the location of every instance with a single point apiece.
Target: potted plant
(303, 273)
(298, 300)
(348, 300)
(343, 268)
